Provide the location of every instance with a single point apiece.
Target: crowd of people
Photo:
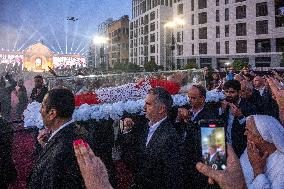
(161, 148)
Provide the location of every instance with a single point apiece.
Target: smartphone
(213, 143)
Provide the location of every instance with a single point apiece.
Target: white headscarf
(270, 130)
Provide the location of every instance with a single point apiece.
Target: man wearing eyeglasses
(234, 111)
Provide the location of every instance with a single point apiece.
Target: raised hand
(230, 178)
(92, 168)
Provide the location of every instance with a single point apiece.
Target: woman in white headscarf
(263, 160)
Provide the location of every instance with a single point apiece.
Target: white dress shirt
(261, 90)
(61, 127)
(153, 128)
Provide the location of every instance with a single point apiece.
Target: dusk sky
(25, 22)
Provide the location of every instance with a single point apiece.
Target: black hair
(38, 77)
(201, 90)
(162, 96)
(234, 84)
(62, 100)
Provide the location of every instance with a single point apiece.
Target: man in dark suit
(267, 105)
(190, 134)
(57, 166)
(156, 146)
(8, 172)
(39, 90)
(234, 111)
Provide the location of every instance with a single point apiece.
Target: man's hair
(234, 84)
(247, 85)
(201, 90)
(38, 77)
(62, 100)
(163, 97)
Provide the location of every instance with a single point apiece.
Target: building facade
(39, 58)
(220, 31)
(118, 35)
(147, 32)
(214, 32)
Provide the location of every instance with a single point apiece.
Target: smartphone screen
(213, 145)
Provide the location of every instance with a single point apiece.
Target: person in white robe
(263, 160)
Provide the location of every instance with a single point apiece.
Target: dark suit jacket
(239, 140)
(267, 105)
(39, 97)
(159, 163)
(192, 152)
(57, 165)
(8, 171)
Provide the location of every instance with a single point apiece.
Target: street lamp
(172, 25)
(102, 40)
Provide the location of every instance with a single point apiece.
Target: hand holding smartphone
(213, 143)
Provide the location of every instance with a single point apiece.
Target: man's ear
(162, 109)
(52, 113)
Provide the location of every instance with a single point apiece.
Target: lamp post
(172, 25)
(102, 41)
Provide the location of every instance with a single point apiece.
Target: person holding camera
(7, 86)
(234, 111)
(190, 132)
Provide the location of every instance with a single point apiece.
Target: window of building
(192, 19)
(202, 18)
(217, 47)
(227, 14)
(180, 50)
(203, 33)
(226, 2)
(227, 48)
(202, 48)
(192, 34)
(180, 37)
(241, 12)
(152, 48)
(152, 16)
(279, 13)
(152, 37)
(227, 31)
(262, 27)
(280, 44)
(262, 45)
(180, 9)
(217, 16)
(261, 9)
(217, 2)
(241, 46)
(262, 61)
(217, 31)
(241, 29)
(192, 5)
(205, 62)
(192, 49)
(152, 26)
(202, 4)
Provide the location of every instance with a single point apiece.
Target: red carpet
(23, 148)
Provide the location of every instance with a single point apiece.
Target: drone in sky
(72, 18)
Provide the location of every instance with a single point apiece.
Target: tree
(151, 66)
(282, 60)
(191, 64)
(133, 67)
(239, 64)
